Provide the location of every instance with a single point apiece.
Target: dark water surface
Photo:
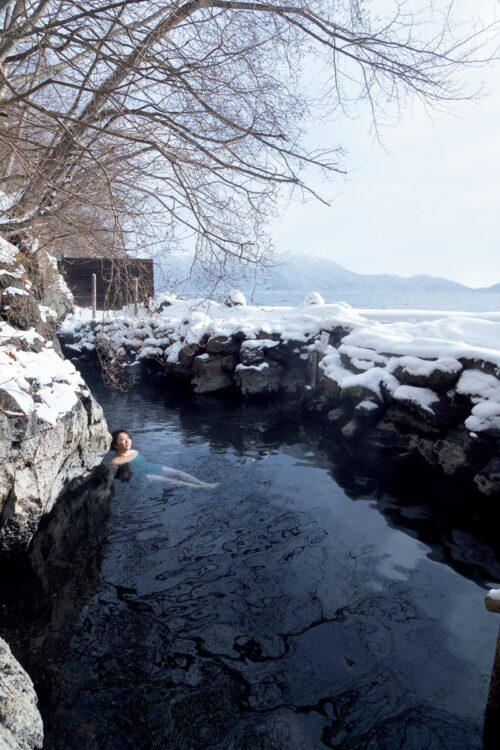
(274, 612)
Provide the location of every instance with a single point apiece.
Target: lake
(463, 301)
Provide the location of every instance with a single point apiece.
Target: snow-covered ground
(425, 332)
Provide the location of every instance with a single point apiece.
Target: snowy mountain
(303, 273)
(494, 288)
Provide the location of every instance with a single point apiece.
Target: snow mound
(234, 298)
(314, 298)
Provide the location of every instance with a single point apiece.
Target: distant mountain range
(306, 273)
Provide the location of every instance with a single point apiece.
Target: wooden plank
(115, 284)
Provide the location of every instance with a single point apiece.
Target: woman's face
(123, 442)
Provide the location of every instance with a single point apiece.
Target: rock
(352, 429)
(450, 456)
(330, 388)
(210, 375)
(419, 410)
(21, 725)
(49, 285)
(439, 375)
(480, 364)
(40, 461)
(186, 356)
(337, 334)
(260, 379)
(387, 440)
(254, 350)
(222, 344)
(488, 479)
(285, 353)
(295, 377)
(337, 416)
(356, 394)
(369, 411)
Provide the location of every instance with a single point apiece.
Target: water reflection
(272, 612)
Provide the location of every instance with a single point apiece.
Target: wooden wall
(115, 280)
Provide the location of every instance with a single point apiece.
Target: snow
(422, 367)
(259, 344)
(41, 382)
(494, 594)
(479, 385)
(14, 290)
(8, 252)
(484, 416)
(46, 313)
(235, 297)
(366, 405)
(257, 368)
(423, 397)
(314, 298)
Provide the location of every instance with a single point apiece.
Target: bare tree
(129, 121)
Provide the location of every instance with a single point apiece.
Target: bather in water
(129, 461)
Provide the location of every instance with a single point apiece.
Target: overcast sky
(427, 201)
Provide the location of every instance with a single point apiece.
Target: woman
(128, 458)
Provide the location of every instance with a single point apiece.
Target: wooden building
(116, 280)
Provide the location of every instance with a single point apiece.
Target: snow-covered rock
(52, 432)
(235, 297)
(314, 298)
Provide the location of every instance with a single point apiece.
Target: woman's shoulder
(119, 460)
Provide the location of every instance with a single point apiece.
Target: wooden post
(94, 296)
(136, 294)
(313, 364)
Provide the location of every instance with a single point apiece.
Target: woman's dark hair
(114, 437)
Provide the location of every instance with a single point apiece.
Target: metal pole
(136, 294)
(94, 295)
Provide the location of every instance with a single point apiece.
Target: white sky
(425, 202)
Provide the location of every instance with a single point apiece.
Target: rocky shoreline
(441, 409)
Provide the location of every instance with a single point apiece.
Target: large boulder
(40, 461)
(422, 410)
(21, 725)
(439, 375)
(222, 345)
(256, 380)
(211, 373)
